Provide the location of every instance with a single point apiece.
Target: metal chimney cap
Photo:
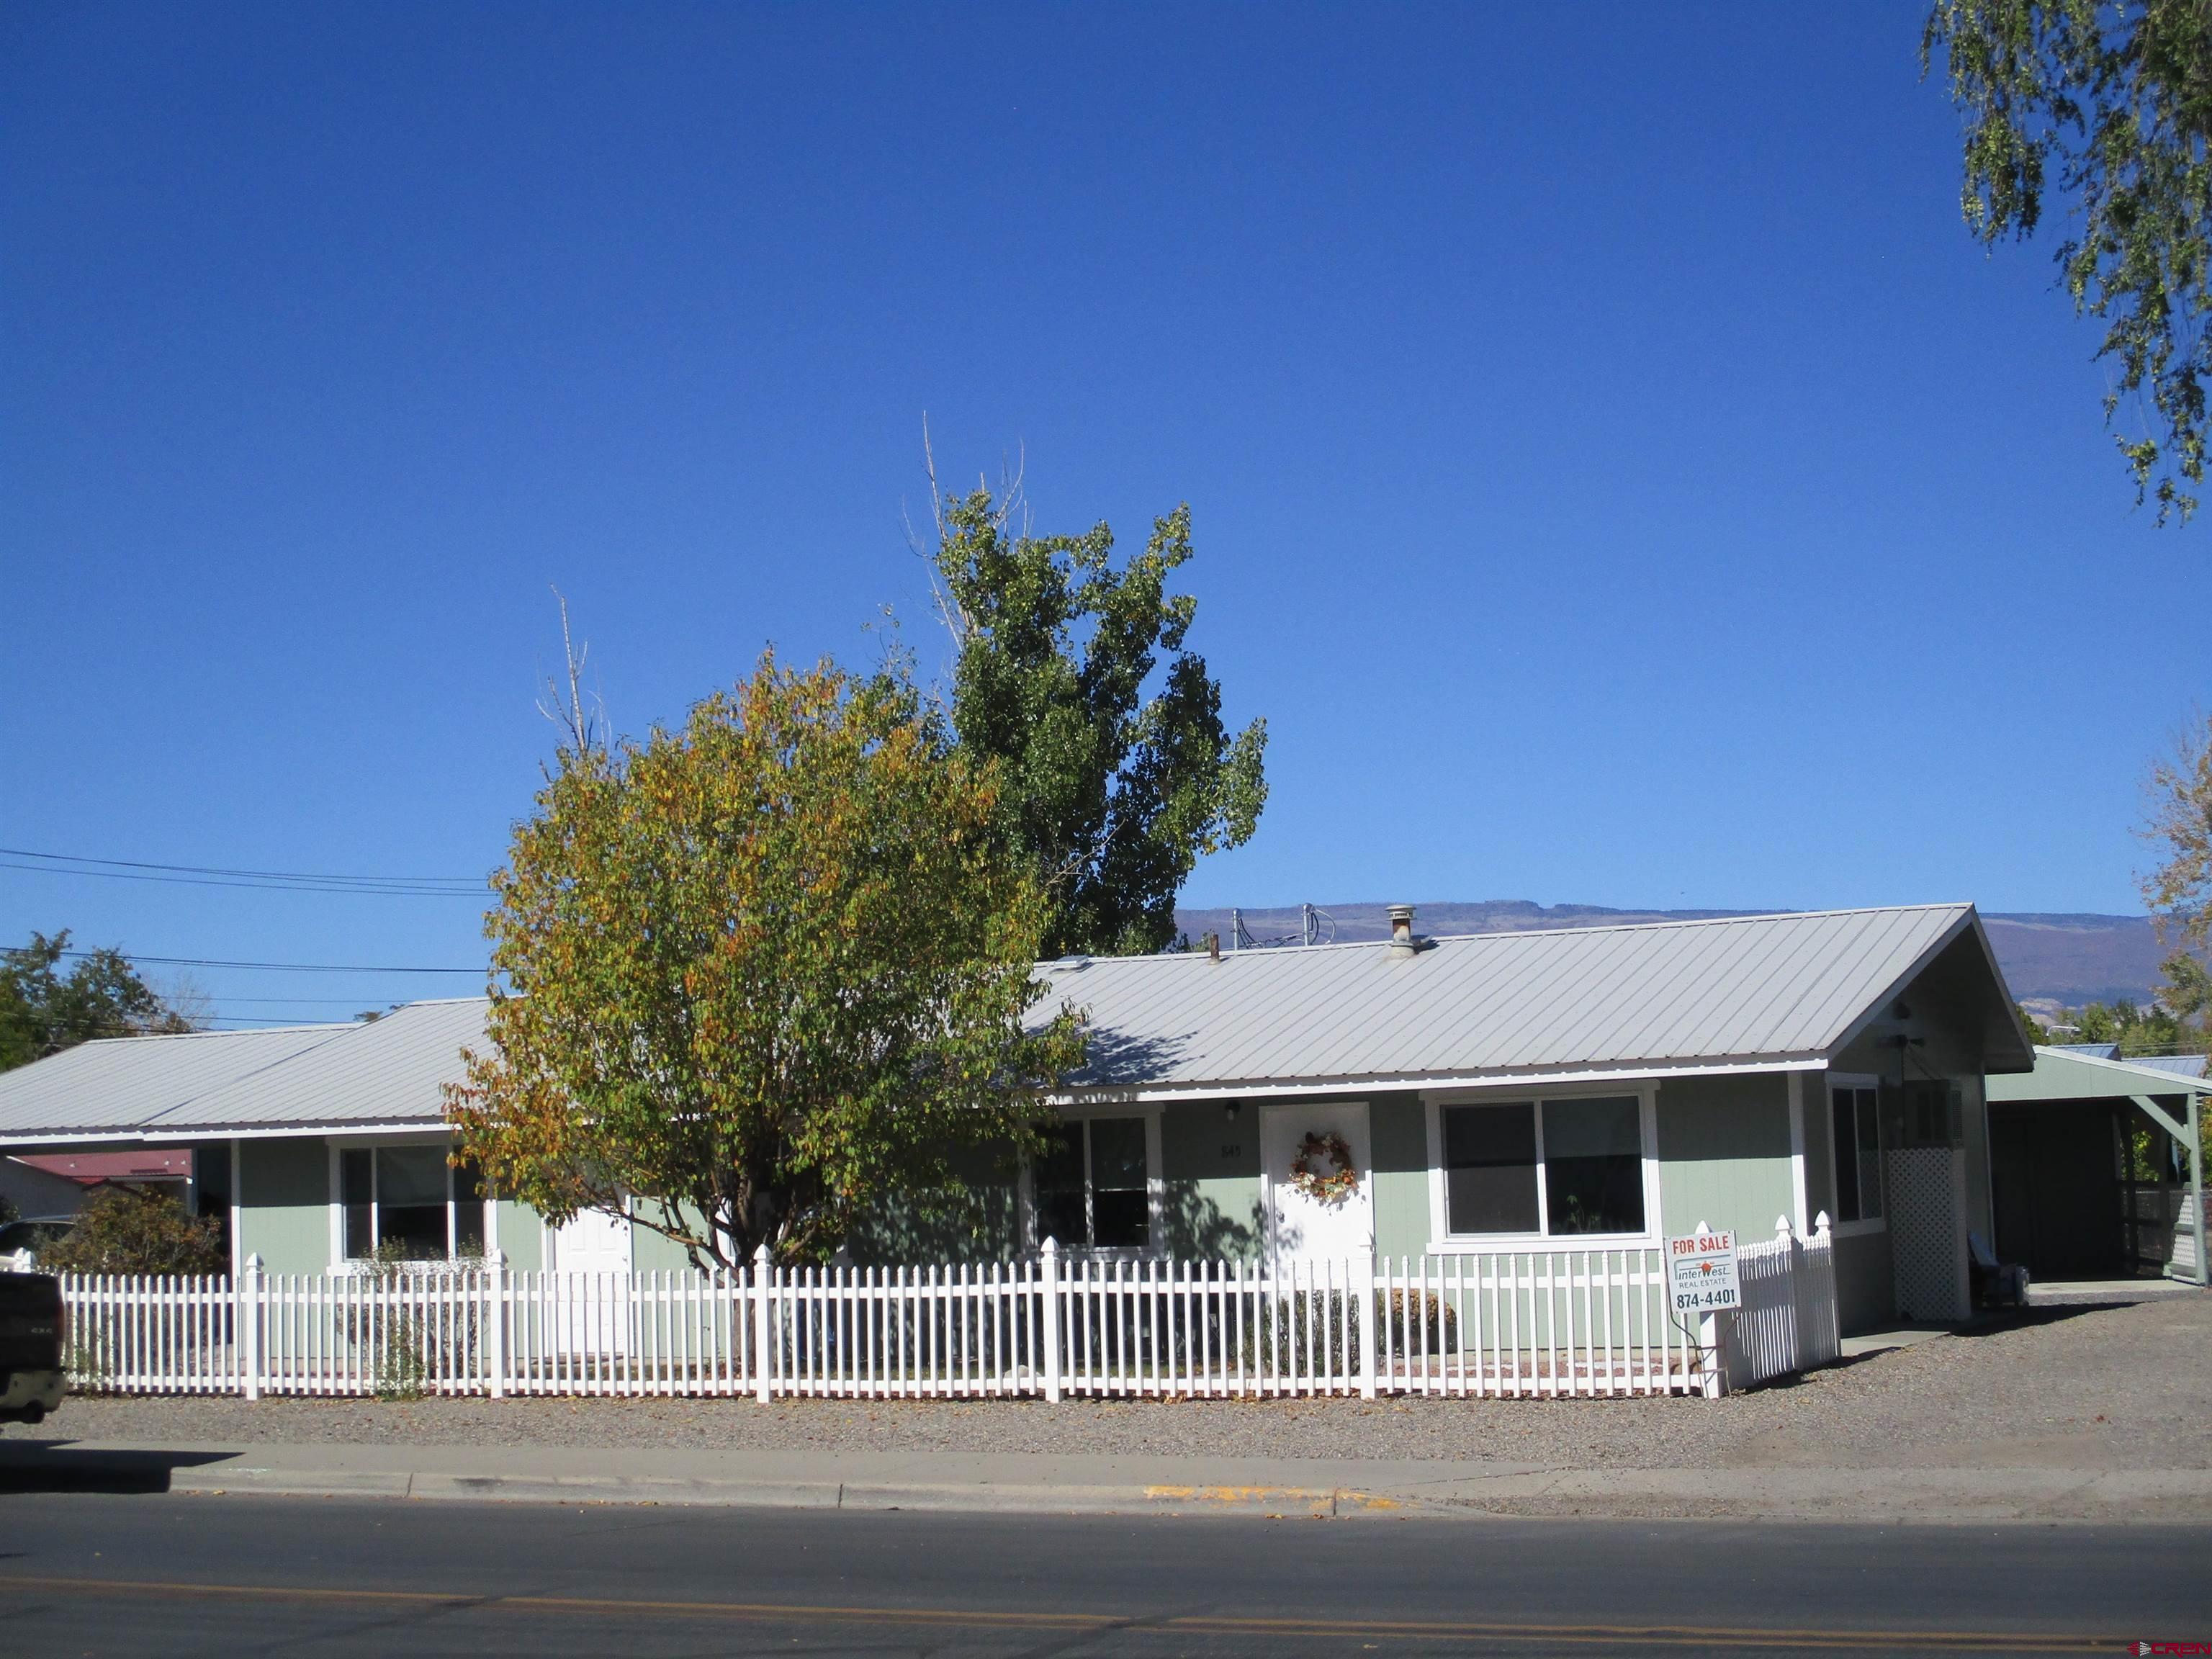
(1404, 942)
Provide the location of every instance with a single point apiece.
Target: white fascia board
(166, 1134)
(1266, 1089)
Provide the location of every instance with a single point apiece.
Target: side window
(408, 1200)
(1490, 1169)
(1857, 1122)
(1056, 1185)
(1091, 1186)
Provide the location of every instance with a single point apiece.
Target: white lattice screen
(1928, 1233)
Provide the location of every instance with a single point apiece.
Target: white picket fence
(1529, 1322)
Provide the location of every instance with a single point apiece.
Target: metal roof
(2180, 1064)
(122, 1082)
(2059, 1075)
(1733, 991)
(382, 1071)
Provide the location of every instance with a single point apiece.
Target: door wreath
(1340, 1183)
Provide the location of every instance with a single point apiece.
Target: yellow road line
(1948, 1641)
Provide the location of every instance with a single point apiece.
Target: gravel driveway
(2112, 1389)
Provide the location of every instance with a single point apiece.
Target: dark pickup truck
(34, 1326)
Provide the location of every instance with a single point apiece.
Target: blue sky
(1617, 478)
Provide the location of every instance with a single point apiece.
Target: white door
(594, 1243)
(1300, 1224)
(591, 1286)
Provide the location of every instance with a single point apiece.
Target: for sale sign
(1701, 1273)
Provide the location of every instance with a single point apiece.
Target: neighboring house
(1589, 1088)
(55, 1186)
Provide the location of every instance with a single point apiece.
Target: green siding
(651, 1252)
(1398, 1126)
(1210, 1166)
(284, 1199)
(977, 1219)
(1724, 1153)
(521, 1236)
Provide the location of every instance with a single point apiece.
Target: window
(1561, 1169)
(409, 1200)
(1856, 1113)
(1090, 1188)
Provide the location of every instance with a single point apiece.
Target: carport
(2068, 1201)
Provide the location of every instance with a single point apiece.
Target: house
(1587, 1089)
(54, 1187)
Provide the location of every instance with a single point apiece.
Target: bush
(137, 1230)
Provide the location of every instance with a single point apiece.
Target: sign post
(1702, 1282)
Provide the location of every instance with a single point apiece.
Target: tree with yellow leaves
(763, 974)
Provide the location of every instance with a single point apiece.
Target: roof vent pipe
(1403, 942)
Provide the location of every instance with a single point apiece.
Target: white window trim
(1442, 1241)
(1156, 1189)
(1870, 1226)
(340, 1262)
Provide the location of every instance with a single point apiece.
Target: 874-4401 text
(1705, 1301)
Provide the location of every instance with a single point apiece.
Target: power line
(201, 875)
(281, 967)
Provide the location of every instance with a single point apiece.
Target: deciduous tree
(761, 973)
(2109, 102)
(43, 1011)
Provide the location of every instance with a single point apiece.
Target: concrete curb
(1045, 1484)
(1938, 1496)
(1332, 1503)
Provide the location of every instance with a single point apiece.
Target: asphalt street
(101, 1574)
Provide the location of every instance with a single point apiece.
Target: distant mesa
(2052, 962)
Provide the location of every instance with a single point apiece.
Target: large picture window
(1553, 1169)
(1855, 1111)
(1091, 1187)
(408, 1201)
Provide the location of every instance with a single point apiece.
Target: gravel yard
(2108, 1388)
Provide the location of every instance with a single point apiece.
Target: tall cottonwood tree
(1115, 783)
(761, 973)
(2108, 105)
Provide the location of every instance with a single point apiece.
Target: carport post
(2197, 1181)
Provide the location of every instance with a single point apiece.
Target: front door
(594, 1243)
(591, 1287)
(1300, 1222)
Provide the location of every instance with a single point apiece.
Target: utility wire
(198, 875)
(281, 967)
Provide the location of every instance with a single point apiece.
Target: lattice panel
(1927, 1232)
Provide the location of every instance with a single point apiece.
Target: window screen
(410, 1200)
(1056, 1184)
(1594, 1165)
(1858, 1154)
(1490, 1167)
(1119, 1196)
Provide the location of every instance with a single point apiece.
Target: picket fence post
(1712, 1340)
(249, 1325)
(763, 1323)
(1049, 1258)
(496, 1321)
(1827, 1243)
(1362, 1276)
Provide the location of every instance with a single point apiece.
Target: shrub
(137, 1230)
